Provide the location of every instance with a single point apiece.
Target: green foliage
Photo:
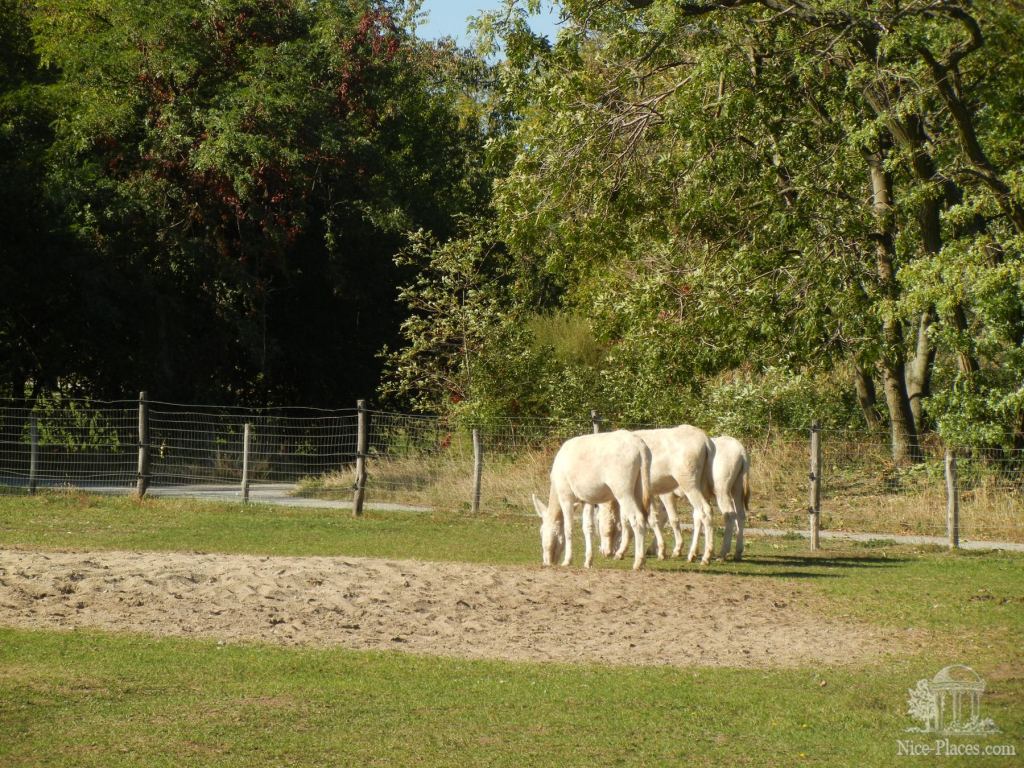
(696, 181)
(74, 425)
(776, 399)
(569, 337)
(42, 271)
(238, 176)
(632, 217)
(456, 330)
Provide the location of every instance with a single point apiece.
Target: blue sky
(448, 17)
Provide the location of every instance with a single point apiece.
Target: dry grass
(861, 489)
(444, 480)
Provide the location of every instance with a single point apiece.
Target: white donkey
(681, 466)
(730, 471)
(595, 469)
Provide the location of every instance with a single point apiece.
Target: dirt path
(445, 609)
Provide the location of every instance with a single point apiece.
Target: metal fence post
(360, 486)
(478, 468)
(952, 500)
(33, 459)
(814, 492)
(246, 436)
(142, 482)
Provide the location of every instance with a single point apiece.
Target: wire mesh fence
(431, 462)
(95, 446)
(428, 461)
(75, 443)
(204, 445)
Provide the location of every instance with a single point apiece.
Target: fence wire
(96, 447)
(429, 461)
(204, 445)
(77, 444)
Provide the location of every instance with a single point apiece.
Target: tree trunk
(867, 397)
(909, 132)
(920, 368)
(902, 434)
(1018, 438)
(904, 440)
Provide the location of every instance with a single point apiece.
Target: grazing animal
(730, 471)
(681, 466)
(595, 469)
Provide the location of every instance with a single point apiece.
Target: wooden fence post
(246, 437)
(814, 508)
(142, 482)
(595, 422)
(478, 468)
(361, 441)
(952, 501)
(33, 457)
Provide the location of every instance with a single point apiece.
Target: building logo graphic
(949, 704)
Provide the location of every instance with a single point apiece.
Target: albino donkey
(610, 467)
(681, 466)
(730, 469)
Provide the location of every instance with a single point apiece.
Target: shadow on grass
(774, 574)
(826, 561)
(792, 566)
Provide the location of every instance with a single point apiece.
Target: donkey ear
(538, 505)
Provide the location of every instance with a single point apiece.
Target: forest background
(743, 214)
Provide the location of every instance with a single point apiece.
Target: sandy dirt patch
(444, 609)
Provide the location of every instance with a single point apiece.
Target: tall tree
(239, 175)
(41, 267)
(753, 186)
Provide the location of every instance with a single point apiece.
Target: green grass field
(94, 699)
